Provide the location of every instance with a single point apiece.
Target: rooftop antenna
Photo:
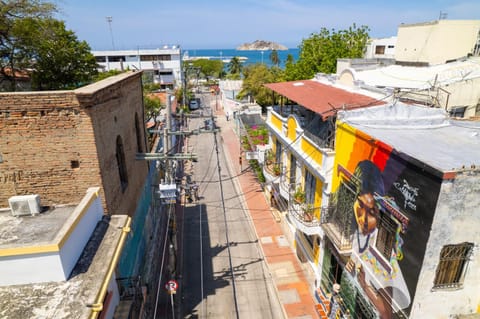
(109, 20)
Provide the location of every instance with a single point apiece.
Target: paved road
(217, 237)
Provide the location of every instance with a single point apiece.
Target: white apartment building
(383, 48)
(437, 42)
(163, 65)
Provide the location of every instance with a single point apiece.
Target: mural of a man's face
(366, 213)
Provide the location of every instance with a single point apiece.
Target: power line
(226, 228)
(170, 208)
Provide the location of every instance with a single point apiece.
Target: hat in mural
(369, 183)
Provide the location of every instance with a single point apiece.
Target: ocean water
(252, 57)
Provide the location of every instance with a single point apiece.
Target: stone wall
(59, 143)
(456, 221)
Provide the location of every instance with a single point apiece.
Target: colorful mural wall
(391, 199)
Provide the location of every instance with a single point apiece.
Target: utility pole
(166, 138)
(109, 20)
(169, 191)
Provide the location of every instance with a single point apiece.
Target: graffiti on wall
(390, 201)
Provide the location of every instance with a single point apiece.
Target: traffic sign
(171, 286)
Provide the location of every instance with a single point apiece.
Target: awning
(320, 98)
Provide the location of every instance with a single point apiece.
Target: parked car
(194, 104)
(209, 124)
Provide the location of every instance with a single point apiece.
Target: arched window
(122, 167)
(139, 135)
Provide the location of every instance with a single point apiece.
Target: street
(224, 274)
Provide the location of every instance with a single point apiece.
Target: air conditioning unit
(25, 205)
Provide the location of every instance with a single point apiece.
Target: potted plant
(308, 212)
(277, 170)
(299, 195)
(269, 156)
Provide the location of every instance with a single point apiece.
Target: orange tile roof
(321, 98)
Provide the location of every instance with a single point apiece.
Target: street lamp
(109, 20)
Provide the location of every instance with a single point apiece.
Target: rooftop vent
(25, 205)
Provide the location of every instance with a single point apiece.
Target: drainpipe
(97, 306)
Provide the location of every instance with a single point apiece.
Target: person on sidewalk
(227, 115)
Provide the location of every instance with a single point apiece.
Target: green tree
(319, 52)
(274, 58)
(31, 39)
(61, 61)
(209, 68)
(15, 42)
(152, 105)
(255, 76)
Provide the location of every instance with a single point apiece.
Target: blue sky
(215, 24)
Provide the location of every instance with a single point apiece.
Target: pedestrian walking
(227, 115)
(195, 192)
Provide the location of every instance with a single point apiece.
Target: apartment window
(380, 49)
(156, 57)
(148, 58)
(164, 57)
(116, 58)
(458, 111)
(139, 134)
(122, 166)
(452, 265)
(387, 229)
(293, 169)
(310, 185)
(278, 152)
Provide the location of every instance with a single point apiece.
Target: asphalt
(289, 275)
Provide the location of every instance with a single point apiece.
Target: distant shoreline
(246, 57)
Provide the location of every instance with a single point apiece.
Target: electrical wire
(170, 208)
(226, 229)
(201, 258)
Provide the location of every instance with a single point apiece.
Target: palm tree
(290, 59)
(234, 66)
(274, 57)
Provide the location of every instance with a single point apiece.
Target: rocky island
(261, 45)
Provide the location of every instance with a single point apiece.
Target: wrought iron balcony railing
(339, 227)
(304, 217)
(274, 169)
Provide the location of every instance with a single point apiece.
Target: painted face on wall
(366, 213)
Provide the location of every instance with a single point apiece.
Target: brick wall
(58, 144)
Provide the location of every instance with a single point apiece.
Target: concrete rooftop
(426, 134)
(65, 299)
(43, 229)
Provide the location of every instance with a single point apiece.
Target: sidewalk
(285, 268)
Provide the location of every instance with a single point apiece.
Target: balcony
(320, 131)
(339, 227)
(272, 172)
(303, 217)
